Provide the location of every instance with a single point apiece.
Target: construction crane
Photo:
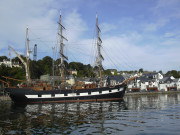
(25, 64)
(35, 52)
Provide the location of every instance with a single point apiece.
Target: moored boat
(30, 93)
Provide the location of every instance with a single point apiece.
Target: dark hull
(27, 95)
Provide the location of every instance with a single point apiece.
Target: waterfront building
(9, 63)
(113, 80)
(73, 72)
(112, 71)
(177, 82)
(154, 82)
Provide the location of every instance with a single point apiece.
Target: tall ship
(34, 93)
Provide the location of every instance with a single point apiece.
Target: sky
(135, 33)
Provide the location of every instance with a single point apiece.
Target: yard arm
(12, 78)
(5, 82)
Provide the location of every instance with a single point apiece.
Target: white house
(177, 83)
(9, 63)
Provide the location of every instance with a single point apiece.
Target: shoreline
(150, 93)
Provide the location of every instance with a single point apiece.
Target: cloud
(167, 9)
(75, 25)
(82, 51)
(125, 54)
(16, 15)
(156, 25)
(163, 15)
(41, 17)
(106, 27)
(122, 51)
(173, 34)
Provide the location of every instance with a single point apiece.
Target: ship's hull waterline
(28, 95)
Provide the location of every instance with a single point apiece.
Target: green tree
(35, 69)
(141, 70)
(76, 65)
(3, 58)
(14, 72)
(173, 73)
(88, 69)
(46, 64)
(160, 71)
(115, 72)
(80, 73)
(107, 72)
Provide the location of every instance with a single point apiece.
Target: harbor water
(157, 114)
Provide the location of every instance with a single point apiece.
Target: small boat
(30, 94)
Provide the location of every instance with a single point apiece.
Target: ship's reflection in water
(158, 114)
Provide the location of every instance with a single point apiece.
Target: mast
(99, 57)
(62, 66)
(27, 57)
(53, 67)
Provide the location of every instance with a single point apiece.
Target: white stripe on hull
(31, 96)
(105, 92)
(114, 91)
(121, 89)
(73, 94)
(84, 94)
(46, 96)
(59, 95)
(94, 93)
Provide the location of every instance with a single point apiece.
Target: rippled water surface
(141, 115)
